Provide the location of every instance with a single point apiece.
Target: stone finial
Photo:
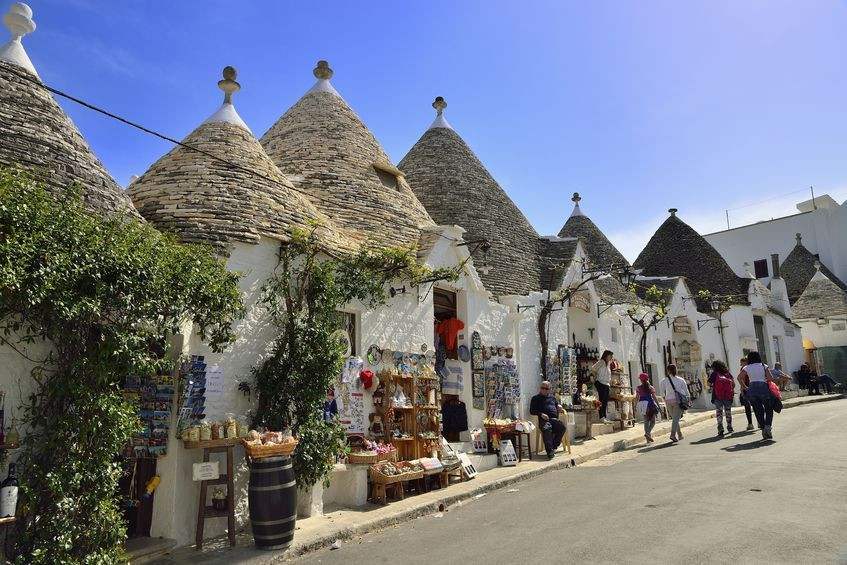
(799, 237)
(228, 84)
(576, 198)
(322, 71)
(18, 20)
(817, 265)
(672, 211)
(439, 104)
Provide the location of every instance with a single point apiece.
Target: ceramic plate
(464, 353)
(374, 355)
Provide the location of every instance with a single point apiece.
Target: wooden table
(203, 511)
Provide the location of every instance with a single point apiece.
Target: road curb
(561, 462)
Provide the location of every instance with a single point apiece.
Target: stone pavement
(340, 525)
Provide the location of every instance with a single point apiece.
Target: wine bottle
(9, 494)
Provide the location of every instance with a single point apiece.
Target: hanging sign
(208, 471)
(581, 300)
(214, 381)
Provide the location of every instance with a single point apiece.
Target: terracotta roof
(205, 200)
(456, 189)
(799, 268)
(822, 298)
(329, 154)
(598, 249)
(38, 135)
(677, 250)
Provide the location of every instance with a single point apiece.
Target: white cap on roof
(323, 73)
(576, 209)
(440, 120)
(226, 113)
(18, 20)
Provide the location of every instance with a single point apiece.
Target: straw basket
(257, 451)
(362, 457)
(378, 477)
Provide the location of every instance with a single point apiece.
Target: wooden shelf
(5, 446)
(211, 443)
(212, 512)
(9, 520)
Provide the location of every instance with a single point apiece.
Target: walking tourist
(758, 391)
(547, 408)
(748, 410)
(675, 389)
(648, 405)
(602, 380)
(780, 377)
(723, 393)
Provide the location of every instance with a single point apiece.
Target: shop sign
(682, 325)
(208, 471)
(581, 300)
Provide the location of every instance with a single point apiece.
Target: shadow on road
(710, 439)
(655, 447)
(748, 446)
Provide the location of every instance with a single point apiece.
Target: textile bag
(683, 401)
(776, 398)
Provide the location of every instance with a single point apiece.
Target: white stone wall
(823, 231)
(823, 335)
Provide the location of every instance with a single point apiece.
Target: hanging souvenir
(423, 348)
(464, 353)
(374, 355)
(344, 341)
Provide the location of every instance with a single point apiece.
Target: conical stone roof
(598, 249)
(456, 189)
(799, 268)
(37, 135)
(205, 200)
(329, 154)
(677, 250)
(822, 298)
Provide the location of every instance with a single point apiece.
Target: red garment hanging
(448, 330)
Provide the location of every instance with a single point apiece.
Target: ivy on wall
(105, 295)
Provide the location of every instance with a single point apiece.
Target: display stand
(622, 395)
(419, 422)
(203, 511)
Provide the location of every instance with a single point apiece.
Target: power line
(56, 91)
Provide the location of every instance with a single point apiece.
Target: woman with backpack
(675, 391)
(648, 405)
(758, 391)
(723, 393)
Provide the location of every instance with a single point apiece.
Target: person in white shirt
(602, 381)
(758, 375)
(672, 388)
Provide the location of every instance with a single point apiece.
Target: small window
(761, 268)
(839, 327)
(388, 180)
(614, 335)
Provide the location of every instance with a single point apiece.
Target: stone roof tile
(821, 298)
(798, 268)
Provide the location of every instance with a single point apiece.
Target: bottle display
(9, 494)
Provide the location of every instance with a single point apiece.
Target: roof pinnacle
(672, 211)
(18, 20)
(440, 120)
(817, 265)
(322, 71)
(228, 84)
(439, 104)
(577, 211)
(799, 237)
(576, 198)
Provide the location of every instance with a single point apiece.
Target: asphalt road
(737, 499)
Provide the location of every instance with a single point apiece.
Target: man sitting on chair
(547, 408)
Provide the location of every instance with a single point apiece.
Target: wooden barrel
(272, 495)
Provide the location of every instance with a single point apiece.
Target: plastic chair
(539, 439)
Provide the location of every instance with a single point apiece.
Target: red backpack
(724, 386)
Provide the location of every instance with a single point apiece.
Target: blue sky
(638, 105)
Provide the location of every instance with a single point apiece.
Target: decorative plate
(374, 354)
(424, 347)
(464, 353)
(486, 353)
(387, 356)
(509, 352)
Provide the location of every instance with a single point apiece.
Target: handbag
(776, 403)
(682, 401)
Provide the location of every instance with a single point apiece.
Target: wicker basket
(378, 477)
(389, 456)
(362, 457)
(269, 449)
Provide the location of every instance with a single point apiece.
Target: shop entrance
(446, 331)
(137, 509)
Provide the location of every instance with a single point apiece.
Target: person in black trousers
(547, 408)
(742, 398)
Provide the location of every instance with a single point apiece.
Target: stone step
(147, 550)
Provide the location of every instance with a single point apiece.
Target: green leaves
(106, 294)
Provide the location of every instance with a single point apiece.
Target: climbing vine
(102, 296)
(647, 315)
(303, 297)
